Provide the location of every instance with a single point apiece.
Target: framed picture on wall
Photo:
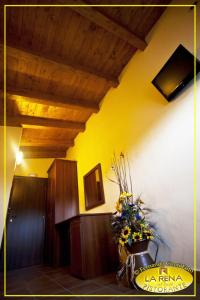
(93, 187)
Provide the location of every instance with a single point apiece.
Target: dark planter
(139, 246)
(142, 259)
(137, 257)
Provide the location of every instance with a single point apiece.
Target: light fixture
(19, 157)
(33, 175)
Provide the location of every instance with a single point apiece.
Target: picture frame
(93, 188)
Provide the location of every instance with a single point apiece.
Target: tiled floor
(44, 280)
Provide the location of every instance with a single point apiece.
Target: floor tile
(120, 289)
(69, 281)
(57, 273)
(85, 288)
(106, 279)
(43, 285)
(21, 291)
(105, 291)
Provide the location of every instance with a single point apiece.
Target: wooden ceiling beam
(46, 122)
(30, 152)
(36, 155)
(61, 63)
(109, 25)
(44, 148)
(45, 143)
(51, 100)
(39, 146)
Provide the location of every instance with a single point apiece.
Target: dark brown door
(26, 222)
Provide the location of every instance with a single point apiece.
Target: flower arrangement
(129, 222)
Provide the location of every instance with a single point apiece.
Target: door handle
(12, 217)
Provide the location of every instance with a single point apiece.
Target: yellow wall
(36, 166)
(125, 117)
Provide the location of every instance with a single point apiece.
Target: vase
(140, 251)
(133, 258)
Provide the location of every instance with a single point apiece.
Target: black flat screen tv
(177, 72)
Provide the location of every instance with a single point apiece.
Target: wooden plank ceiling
(61, 62)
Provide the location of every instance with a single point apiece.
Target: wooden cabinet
(93, 251)
(63, 189)
(85, 242)
(62, 204)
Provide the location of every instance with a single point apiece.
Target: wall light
(33, 175)
(19, 157)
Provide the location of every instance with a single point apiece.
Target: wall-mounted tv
(176, 73)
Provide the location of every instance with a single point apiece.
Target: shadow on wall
(160, 223)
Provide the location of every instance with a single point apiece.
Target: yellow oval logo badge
(164, 279)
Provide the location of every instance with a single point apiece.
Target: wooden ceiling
(61, 62)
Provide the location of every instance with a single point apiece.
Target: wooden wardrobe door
(26, 222)
(66, 195)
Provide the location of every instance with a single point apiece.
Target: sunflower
(118, 206)
(124, 196)
(148, 234)
(125, 232)
(123, 241)
(137, 236)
